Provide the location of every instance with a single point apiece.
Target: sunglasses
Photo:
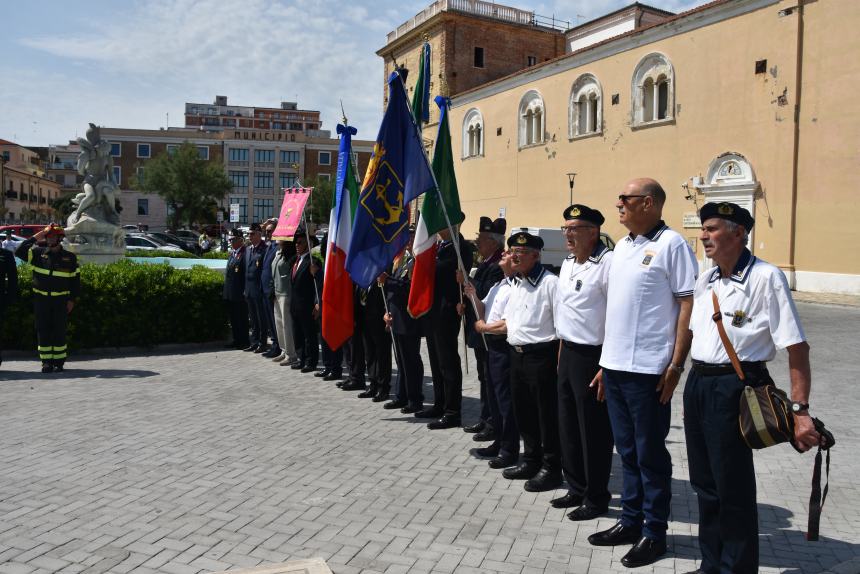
(626, 198)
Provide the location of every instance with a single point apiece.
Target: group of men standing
(575, 365)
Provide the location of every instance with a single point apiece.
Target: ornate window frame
(473, 134)
(531, 120)
(585, 107)
(653, 91)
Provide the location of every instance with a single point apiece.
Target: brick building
(220, 116)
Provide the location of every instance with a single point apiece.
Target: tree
(321, 200)
(190, 186)
(62, 205)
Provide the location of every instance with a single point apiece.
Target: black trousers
(722, 472)
(332, 360)
(238, 312)
(533, 388)
(52, 317)
(269, 308)
(410, 370)
(445, 366)
(498, 369)
(483, 379)
(377, 352)
(583, 424)
(305, 330)
(259, 320)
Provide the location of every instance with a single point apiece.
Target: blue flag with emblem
(398, 172)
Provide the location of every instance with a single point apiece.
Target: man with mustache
(647, 339)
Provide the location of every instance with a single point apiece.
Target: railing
(479, 8)
(239, 163)
(264, 164)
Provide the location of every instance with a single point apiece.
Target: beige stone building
(743, 100)
(27, 193)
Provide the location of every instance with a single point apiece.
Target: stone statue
(93, 231)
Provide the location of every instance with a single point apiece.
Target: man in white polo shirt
(647, 339)
(580, 315)
(534, 362)
(758, 315)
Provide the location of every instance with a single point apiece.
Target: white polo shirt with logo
(647, 276)
(529, 310)
(580, 299)
(496, 299)
(756, 309)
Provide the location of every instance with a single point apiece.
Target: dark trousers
(238, 311)
(533, 389)
(269, 308)
(498, 370)
(481, 362)
(445, 366)
(583, 424)
(640, 425)
(377, 353)
(410, 370)
(51, 319)
(305, 331)
(259, 320)
(355, 357)
(332, 360)
(721, 473)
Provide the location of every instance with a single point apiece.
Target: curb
(103, 352)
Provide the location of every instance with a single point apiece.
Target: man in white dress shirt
(759, 316)
(580, 315)
(647, 339)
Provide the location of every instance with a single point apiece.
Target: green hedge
(176, 254)
(129, 304)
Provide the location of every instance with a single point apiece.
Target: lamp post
(570, 177)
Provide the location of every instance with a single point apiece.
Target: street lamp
(570, 177)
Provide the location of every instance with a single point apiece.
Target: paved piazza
(211, 460)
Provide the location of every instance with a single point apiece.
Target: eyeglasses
(574, 228)
(625, 198)
(522, 251)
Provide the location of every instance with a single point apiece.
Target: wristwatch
(676, 368)
(798, 408)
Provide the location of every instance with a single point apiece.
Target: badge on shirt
(649, 256)
(739, 318)
(578, 284)
(236, 269)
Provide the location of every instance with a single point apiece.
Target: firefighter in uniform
(56, 284)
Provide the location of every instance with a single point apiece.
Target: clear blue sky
(129, 63)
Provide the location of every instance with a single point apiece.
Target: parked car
(24, 230)
(170, 239)
(140, 241)
(186, 234)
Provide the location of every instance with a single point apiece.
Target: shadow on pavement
(77, 374)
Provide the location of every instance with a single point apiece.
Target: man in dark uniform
(377, 346)
(234, 288)
(354, 347)
(254, 255)
(267, 286)
(306, 277)
(443, 327)
(8, 286)
(407, 336)
(56, 284)
(490, 243)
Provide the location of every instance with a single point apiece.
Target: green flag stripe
(443, 169)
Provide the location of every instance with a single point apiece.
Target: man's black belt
(535, 347)
(497, 339)
(580, 346)
(704, 368)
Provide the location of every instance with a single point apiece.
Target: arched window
(473, 134)
(585, 107)
(653, 90)
(532, 119)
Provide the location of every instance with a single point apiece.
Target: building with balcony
(62, 166)
(27, 193)
(219, 116)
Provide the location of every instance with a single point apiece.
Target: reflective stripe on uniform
(42, 349)
(30, 255)
(52, 294)
(55, 273)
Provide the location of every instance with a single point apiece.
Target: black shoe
(477, 427)
(644, 552)
(340, 384)
(381, 396)
(297, 366)
(395, 404)
(446, 422)
(251, 349)
(615, 536)
(47, 368)
(569, 500)
(491, 451)
(58, 367)
(309, 369)
(428, 414)
(322, 374)
(272, 353)
(261, 349)
(585, 513)
(544, 480)
(523, 471)
(411, 409)
(503, 461)
(332, 376)
(368, 394)
(352, 386)
(485, 435)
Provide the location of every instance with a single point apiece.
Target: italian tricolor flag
(432, 218)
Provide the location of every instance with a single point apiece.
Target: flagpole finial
(343, 114)
(425, 36)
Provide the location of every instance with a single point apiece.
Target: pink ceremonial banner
(295, 199)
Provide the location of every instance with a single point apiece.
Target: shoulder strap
(730, 350)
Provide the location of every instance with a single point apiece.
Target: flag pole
(295, 166)
(454, 240)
